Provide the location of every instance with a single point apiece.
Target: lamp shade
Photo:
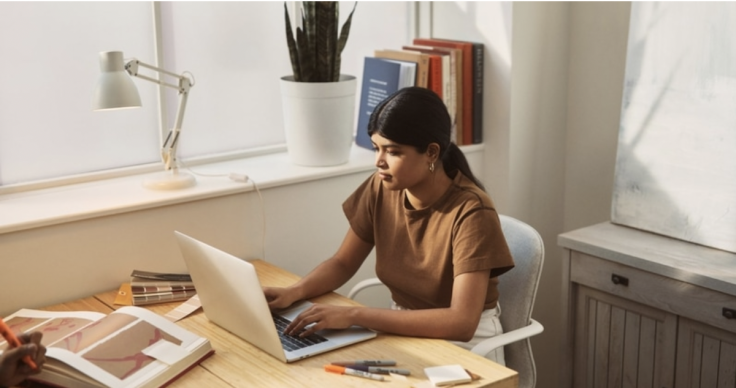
(115, 88)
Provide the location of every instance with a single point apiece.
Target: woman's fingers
(318, 317)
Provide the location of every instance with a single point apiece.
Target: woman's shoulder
(467, 192)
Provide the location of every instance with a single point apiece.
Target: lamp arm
(168, 150)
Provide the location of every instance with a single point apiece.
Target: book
(160, 276)
(127, 297)
(435, 82)
(381, 78)
(447, 375)
(440, 67)
(422, 61)
(466, 115)
(162, 297)
(145, 282)
(452, 72)
(131, 347)
(478, 79)
(159, 289)
(148, 287)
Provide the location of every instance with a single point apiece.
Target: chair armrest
(485, 346)
(372, 282)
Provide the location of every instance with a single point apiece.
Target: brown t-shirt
(419, 252)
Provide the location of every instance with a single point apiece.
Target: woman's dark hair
(417, 117)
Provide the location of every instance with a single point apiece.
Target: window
(236, 52)
(47, 77)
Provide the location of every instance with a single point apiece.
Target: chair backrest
(518, 290)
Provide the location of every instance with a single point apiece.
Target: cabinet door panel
(620, 343)
(706, 356)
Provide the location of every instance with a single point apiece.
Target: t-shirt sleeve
(479, 244)
(359, 209)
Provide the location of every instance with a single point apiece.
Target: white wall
(598, 37)
(570, 59)
(537, 134)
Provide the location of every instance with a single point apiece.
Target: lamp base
(170, 180)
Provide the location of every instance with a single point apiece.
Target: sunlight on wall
(675, 167)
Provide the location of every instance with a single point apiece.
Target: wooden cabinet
(706, 356)
(643, 310)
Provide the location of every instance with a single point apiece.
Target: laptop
(232, 298)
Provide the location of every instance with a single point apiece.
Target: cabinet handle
(729, 313)
(620, 280)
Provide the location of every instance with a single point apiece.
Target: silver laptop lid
(231, 294)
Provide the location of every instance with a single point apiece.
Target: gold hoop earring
(431, 167)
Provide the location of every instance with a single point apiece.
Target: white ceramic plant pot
(319, 119)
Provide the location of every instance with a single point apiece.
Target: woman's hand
(319, 317)
(13, 369)
(279, 298)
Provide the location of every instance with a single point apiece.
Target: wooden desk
(236, 363)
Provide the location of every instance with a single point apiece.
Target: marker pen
(366, 362)
(352, 372)
(14, 342)
(379, 370)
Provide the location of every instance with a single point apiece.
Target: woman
(438, 239)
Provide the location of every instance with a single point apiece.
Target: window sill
(39, 208)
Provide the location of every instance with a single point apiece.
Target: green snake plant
(316, 50)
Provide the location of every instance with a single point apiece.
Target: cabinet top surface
(696, 264)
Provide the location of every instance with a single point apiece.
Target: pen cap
(335, 369)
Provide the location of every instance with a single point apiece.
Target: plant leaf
(344, 32)
(326, 19)
(293, 54)
(306, 57)
(311, 41)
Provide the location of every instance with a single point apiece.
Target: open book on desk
(131, 347)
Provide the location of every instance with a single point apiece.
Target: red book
(467, 89)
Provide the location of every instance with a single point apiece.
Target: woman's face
(399, 166)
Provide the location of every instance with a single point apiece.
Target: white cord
(263, 219)
(179, 161)
(244, 179)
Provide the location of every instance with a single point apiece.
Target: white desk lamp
(116, 90)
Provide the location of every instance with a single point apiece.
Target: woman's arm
(457, 323)
(327, 276)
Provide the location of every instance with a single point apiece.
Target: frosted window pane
(48, 74)
(237, 53)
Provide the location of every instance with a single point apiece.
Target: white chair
(518, 290)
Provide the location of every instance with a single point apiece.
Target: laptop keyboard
(289, 342)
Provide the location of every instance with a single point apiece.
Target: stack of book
(452, 69)
(154, 287)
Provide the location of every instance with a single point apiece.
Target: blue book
(381, 78)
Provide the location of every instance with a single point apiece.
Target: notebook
(232, 298)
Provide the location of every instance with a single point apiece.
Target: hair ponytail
(454, 160)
